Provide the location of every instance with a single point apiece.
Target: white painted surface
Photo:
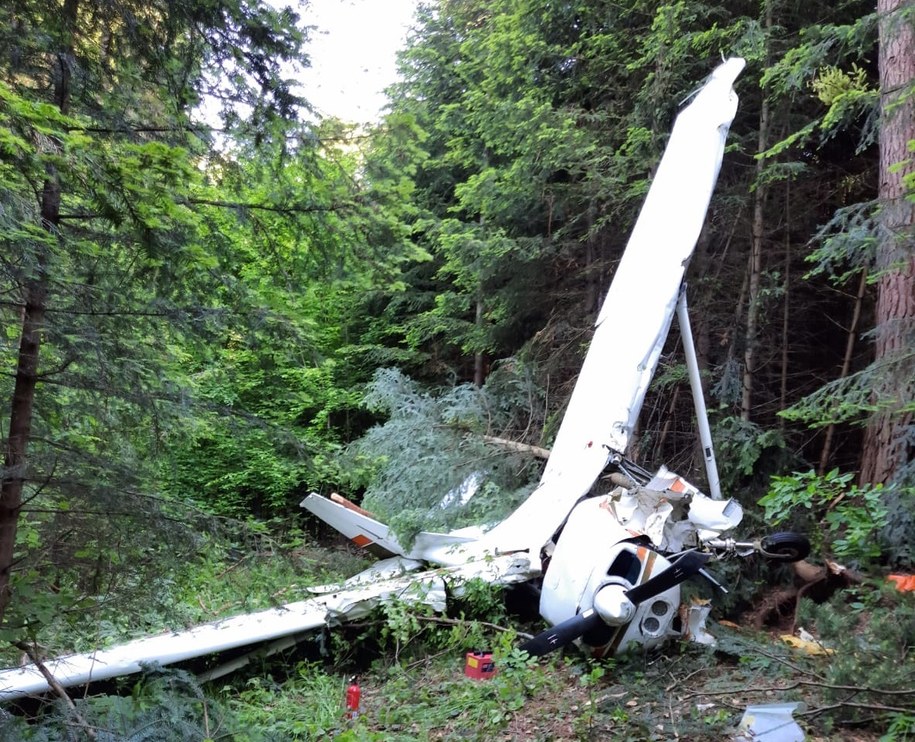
(635, 318)
(239, 631)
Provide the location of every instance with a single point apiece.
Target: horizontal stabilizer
(367, 533)
(362, 530)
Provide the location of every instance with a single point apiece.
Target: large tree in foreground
(888, 443)
(100, 156)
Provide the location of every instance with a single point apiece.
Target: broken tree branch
(461, 622)
(797, 684)
(517, 447)
(33, 655)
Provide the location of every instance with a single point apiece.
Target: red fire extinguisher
(353, 698)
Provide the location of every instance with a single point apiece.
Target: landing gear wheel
(785, 547)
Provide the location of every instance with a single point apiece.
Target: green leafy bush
(845, 519)
(746, 450)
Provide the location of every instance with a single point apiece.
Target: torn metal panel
(386, 569)
(770, 722)
(696, 617)
(672, 512)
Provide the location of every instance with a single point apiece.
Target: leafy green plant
(309, 705)
(746, 450)
(847, 516)
(900, 729)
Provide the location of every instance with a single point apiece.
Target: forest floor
(688, 693)
(411, 675)
(855, 681)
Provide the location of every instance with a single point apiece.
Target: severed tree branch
(851, 704)
(33, 655)
(798, 683)
(295, 209)
(517, 447)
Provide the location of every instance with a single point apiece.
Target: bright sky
(353, 54)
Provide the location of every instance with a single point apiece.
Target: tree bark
(479, 362)
(786, 309)
(518, 446)
(35, 293)
(21, 408)
(846, 367)
(756, 246)
(886, 447)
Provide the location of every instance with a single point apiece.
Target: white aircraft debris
(611, 560)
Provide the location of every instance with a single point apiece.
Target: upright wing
(635, 318)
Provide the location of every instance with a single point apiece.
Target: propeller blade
(569, 630)
(685, 567)
(562, 633)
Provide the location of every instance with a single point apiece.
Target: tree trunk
(786, 309)
(592, 275)
(15, 461)
(846, 366)
(756, 246)
(886, 447)
(35, 293)
(755, 273)
(479, 362)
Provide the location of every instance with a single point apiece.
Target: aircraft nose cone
(613, 606)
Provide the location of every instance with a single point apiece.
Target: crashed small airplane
(608, 542)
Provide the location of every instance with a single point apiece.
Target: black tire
(785, 547)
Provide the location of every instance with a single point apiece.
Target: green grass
(410, 665)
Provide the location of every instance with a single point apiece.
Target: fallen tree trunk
(540, 453)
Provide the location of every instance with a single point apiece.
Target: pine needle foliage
(164, 704)
(430, 454)
(871, 631)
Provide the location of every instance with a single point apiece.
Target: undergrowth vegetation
(236, 569)
(856, 678)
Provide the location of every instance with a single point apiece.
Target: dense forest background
(212, 303)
